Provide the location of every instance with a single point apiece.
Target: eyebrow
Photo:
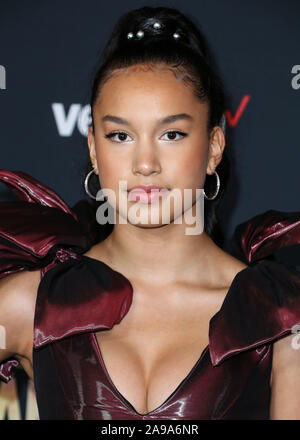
(167, 120)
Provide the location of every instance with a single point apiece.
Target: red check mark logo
(233, 120)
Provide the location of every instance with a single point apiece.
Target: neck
(163, 254)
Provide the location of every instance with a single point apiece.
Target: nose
(146, 161)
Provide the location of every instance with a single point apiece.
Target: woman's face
(134, 141)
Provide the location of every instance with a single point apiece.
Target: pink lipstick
(146, 193)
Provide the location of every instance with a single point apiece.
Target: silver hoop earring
(217, 189)
(86, 184)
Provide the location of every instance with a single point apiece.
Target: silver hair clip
(156, 25)
(140, 34)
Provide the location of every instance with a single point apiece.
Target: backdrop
(48, 50)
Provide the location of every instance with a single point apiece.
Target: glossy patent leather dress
(79, 296)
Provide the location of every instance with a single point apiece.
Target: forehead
(154, 71)
(154, 85)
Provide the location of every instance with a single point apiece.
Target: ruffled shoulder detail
(39, 231)
(263, 302)
(264, 234)
(261, 306)
(79, 296)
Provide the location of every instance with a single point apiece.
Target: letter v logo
(65, 123)
(233, 120)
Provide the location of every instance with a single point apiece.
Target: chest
(153, 350)
(71, 383)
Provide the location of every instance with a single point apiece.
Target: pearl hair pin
(140, 34)
(156, 25)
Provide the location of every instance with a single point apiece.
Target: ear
(92, 148)
(216, 148)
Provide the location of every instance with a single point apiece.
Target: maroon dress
(79, 296)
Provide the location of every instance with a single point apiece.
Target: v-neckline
(180, 385)
(123, 398)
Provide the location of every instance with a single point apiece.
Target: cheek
(191, 168)
(111, 171)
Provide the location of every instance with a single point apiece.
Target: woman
(140, 319)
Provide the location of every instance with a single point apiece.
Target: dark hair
(189, 54)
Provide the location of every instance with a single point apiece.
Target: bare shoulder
(18, 292)
(285, 381)
(229, 266)
(286, 354)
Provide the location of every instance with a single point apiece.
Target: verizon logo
(234, 119)
(79, 117)
(76, 116)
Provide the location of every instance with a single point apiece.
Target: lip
(146, 188)
(146, 193)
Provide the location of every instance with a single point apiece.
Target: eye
(173, 134)
(122, 135)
